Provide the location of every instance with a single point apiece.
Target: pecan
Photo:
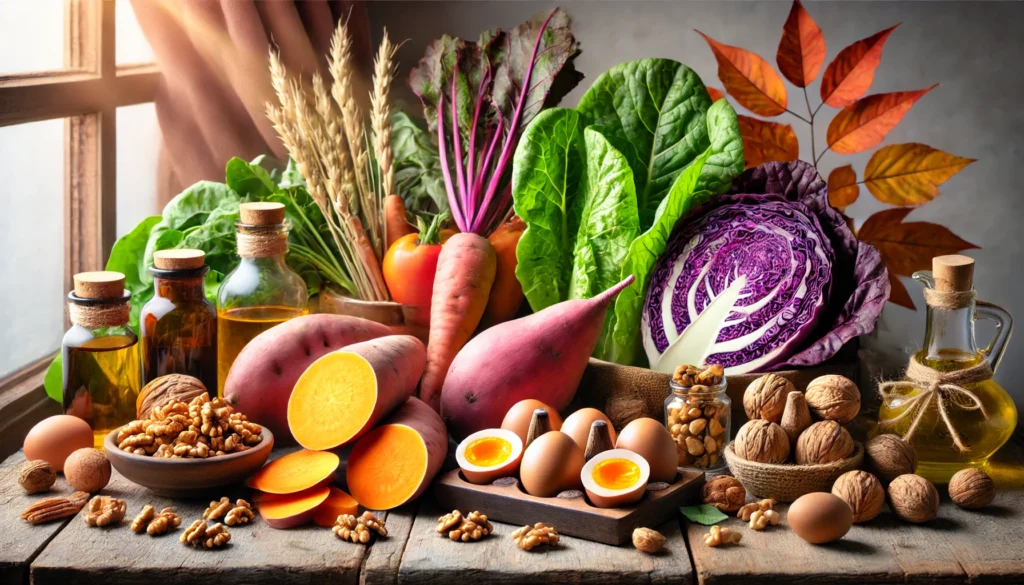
(50, 509)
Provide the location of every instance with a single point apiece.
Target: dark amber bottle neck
(180, 289)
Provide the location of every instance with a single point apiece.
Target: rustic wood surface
(433, 559)
(20, 542)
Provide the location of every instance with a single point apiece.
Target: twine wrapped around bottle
(99, 316)
(262, 244)
(941, 390)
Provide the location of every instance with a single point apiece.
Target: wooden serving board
(505, 501)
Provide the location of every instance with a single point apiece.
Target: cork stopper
(953, 273)
(99, 285)
(262, 213)
(184, 259)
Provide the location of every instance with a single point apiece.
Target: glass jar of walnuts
(697, 414)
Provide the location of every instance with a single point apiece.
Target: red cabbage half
(767, 276)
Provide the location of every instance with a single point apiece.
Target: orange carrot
(395, 223)
(465, 274)
(506, 294)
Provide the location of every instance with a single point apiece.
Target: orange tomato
(409, 268)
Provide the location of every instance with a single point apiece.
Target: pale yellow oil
(938, 457)
(236, 327)
(102, 377)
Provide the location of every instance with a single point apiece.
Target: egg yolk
(616, 474)
(488, 451)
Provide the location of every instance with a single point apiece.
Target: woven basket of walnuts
(780, 453)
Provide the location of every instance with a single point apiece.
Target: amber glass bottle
(101, 370)
(179, 325)
(262, 291)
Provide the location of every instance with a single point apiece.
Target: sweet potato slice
(295, 472)
(345, 393)
(291, 510)
(336, 504)
(395, 462)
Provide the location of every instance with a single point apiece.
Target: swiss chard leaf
(418, 175)
(710, 174)
(248, 179)
(652, 110)
(548, 168)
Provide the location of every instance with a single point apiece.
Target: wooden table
(957, 547)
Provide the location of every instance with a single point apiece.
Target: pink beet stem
(460, 173)
(453, 200)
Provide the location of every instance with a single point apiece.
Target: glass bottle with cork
(179, 325)
(262, 291)
(101, 370)
(947, 405)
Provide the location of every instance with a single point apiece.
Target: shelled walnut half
(198, 429)
(529, 537)
(724, 492)
(359, 529)
(104, 511)
(464, 528)
(202, 535)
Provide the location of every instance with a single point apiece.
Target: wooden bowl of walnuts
(189, 450)
(781, 452)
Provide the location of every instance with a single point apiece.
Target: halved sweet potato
(296, 472)
(395, 462)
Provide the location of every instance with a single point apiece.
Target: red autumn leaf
(910, 174)
(898, 294)
(865, 123)
(716, 94)
(842, 187)
(909, 247)
(802, 48)
(749, 78)
(765, 141)
(850, 74)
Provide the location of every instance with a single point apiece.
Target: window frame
(86, 93)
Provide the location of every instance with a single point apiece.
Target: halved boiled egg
(489, 454)
(615, 478)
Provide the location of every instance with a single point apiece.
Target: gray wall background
(972, 49)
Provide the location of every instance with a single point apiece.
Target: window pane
(31, 36)
(32, 240)
(130, 45)
(138, 149)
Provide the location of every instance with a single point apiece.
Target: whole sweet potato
(264, 373)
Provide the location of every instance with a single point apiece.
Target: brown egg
(56, 437)
(517, 419)
(551, 464)
(820, 517)
(615, 478)
(652, 441)
(577, 425)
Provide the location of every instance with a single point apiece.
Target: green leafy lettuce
(601, 187)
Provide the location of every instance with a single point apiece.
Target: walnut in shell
(724, 492)
(889, 456)
(972, 489)
(762, 441)
(87, 470)
(765, 397)
(833, 397)
(648, 540)
(36, 476)
(166, 390)
(863, 492)
(823, 442)
(913, 498)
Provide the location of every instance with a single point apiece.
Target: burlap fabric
(786, 483)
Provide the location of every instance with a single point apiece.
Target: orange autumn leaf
(850, 74)
(715, 93)
(802, 48)
(749, 78)
(908, 247)
(842, 187)
(898, 294)
(910, 174)
(765, 141)
(865, 123)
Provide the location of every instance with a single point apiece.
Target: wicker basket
(786, 483)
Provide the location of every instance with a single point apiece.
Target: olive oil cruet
(948, 406)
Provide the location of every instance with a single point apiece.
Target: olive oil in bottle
(262, 291)
(101, 370)
(179, 325)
